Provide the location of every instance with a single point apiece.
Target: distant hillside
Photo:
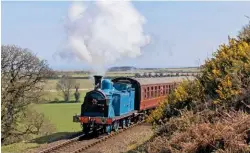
(122, 68)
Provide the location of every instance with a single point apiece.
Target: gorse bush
(224, 84)
(187, 95)
(226, 75)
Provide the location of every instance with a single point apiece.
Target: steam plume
(103, 33)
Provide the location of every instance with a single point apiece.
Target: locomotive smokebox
(98, 80)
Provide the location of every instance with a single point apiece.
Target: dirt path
(124, 141)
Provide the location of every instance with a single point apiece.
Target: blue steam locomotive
(106, 106)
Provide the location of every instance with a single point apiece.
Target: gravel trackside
(124, 141)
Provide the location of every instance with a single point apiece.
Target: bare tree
(64, 85)
(22, 79)
(77, 93)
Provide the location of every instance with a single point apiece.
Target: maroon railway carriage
(149, 92)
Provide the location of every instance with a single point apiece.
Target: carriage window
(156, 91)
(152, 92)
(148, 92)
(164, 91)
(167, 89)
(145, 93)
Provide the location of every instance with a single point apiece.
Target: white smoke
(103, 33)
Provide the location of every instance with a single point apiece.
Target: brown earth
(124, 141)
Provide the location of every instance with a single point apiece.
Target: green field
(84, 84)
(61, 115)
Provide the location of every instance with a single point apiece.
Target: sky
(182, 34)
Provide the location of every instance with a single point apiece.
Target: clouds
(103, 33)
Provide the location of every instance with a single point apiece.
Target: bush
(31, 123)
(56, 100)
(187, 95)
(226, 75)
(224, 84)
(193, 133)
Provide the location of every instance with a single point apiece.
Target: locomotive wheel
(123, 123)
(116, 126)
(96, 132)
(141, 117)
(108, 129)
(86, 129)
(128, 122)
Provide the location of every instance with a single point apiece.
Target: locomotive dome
(107, 84)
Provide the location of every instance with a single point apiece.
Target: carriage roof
(159, 80)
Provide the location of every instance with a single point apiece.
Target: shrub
(224, 84)
(192, 133)
(31, 123)
(56, 100)
(225, 77)
(187, 95)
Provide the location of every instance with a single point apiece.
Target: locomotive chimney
(98, 80)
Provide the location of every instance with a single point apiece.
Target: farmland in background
(56, 97)
(82, 77)
(84, 84)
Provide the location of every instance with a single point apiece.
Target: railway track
(74, 145)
